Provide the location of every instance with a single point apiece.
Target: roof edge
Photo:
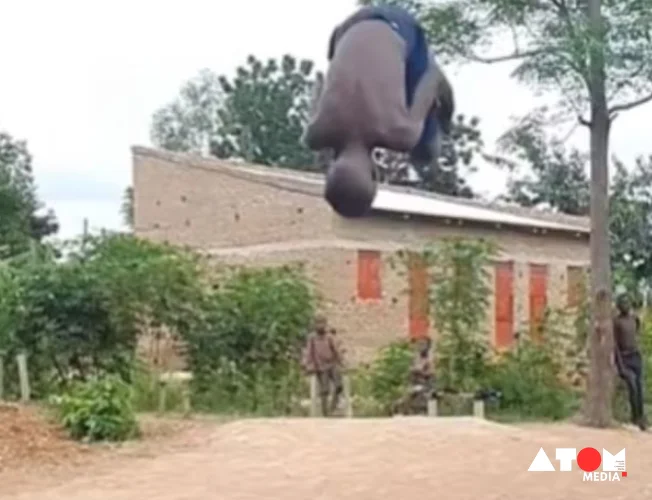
(312, 184)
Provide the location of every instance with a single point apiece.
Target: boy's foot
(642, 424)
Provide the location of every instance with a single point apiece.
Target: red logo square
(624, 474)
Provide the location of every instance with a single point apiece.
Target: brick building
(264, 216)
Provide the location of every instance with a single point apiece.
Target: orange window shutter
(418, 304)
(538, 298)
(369, 283)
(504, 305)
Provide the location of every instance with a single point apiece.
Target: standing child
(324, 360)
(629, 362)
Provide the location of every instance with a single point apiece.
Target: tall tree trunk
(600, 384)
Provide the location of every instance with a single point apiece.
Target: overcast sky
(80, 81)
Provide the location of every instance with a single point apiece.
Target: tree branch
(583, 121)
(629, 105)
(508, 57)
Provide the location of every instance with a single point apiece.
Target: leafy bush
(99, 409)
(246, 356)
(529, 379)
(80, 316)
(387, 378)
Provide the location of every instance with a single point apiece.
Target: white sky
(80, 81)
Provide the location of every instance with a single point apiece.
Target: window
(538, 298)
(504, 305)
(369, 283)
(418, 305)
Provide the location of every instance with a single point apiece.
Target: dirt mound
(27, 439)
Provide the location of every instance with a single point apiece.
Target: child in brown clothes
(324, 359)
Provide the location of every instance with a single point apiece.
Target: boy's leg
(323, 383)
(629, 377)
(637, 370)
(338, 387)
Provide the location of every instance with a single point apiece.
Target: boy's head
(350, 185)
(623, 303)
(321, 324)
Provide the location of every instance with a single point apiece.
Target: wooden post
(186, 400)
(432, 407)
(347, 396)
(2, 376)
(162, 395)
(23, 376)
(314, 403)
(478, 408)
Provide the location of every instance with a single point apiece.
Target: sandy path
(415, 458)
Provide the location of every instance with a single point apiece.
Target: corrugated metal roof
(388, 199)
(410, 203)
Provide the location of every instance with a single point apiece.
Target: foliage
(191, 122)
(80, 316)
(20, 220)
(445, 175)
(249, 347)
(386, 380)
(631, 224)
(543, 378)
(99, 409)
(646, 348)
(555, 178)
(265, 112)
(459, 291)
(529, 379)
(594, 55)
(127, 207)
(258, 115)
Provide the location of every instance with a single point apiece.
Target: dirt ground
(339, 459)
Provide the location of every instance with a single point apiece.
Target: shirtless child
(324, 360)
(629, 363)
(383, 89)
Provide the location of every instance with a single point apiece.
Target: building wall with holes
(246, 219)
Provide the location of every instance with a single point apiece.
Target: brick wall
(253, 217)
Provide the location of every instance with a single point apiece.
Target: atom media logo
(588, 460)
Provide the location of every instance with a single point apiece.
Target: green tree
(543, 172)
(20, 217)
(191, 122)
(631, 225)
(265, 111)
(258, 115)
(595, 55)
(446, 175)
(127, 207)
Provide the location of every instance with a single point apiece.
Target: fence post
(314, 403)
(478, 408)
(2, 376)
(432, 407)
(347, 396)
(23, 376)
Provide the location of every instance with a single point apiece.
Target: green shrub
(99, 409)
(386, 380)
(529, 380)
(147, 391)
(245, 358)
(262, 392)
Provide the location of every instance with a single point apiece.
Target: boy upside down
(383, 89)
